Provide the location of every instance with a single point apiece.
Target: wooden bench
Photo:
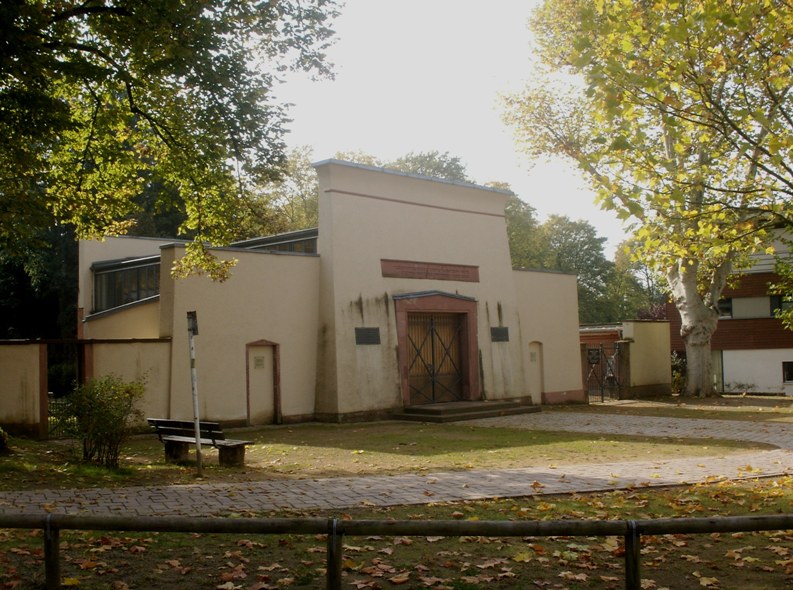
(178, 435)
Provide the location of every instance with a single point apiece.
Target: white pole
(192, 330)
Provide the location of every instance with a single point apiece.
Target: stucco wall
(548, 303)
(269, 297)
(756, 371)
(23, 387)
(650, 360)
(137, 320)
(369, 215)
(136, 361)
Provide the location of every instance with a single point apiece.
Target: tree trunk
(696, 335)
(699, 316)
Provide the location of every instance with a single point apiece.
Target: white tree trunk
(700, 317)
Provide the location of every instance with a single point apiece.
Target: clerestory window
(118, 283)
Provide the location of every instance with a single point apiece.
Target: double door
(435, 359)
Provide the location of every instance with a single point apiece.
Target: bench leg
(176, 452)
(232, 456)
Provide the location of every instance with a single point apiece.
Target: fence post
(52, 565)
(335, 551)
(633, 577)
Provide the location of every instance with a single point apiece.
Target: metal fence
(630, 530)
(56, 416)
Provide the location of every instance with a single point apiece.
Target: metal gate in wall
(435, 369)
(602, 374)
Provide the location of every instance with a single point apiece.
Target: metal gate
(603, 372)
(435, 370)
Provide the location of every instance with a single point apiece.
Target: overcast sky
(425, 75)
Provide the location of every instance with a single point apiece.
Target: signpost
(192, 331)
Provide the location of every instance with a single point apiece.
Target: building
(752, 351)
(403, 296)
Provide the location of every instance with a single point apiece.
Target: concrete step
(456, 411)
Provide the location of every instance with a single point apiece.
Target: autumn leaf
(570, 576)
(523, 557)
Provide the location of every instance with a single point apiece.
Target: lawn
(249, 562)
(121, 561)
(324, 450)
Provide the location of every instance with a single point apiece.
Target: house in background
(752, 351)
(403, 296)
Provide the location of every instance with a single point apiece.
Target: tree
(523, 231)
(434, 164)
(634, 288)
(105, 99)
(288, 204)
(574, 247)
(683, 123)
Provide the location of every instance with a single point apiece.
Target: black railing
(57, 417)
(335, 529)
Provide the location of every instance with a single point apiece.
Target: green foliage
(683, 121)
(784, 286)
(101, 113)
(288, 204)
(678, 373)
(434, 164)
(102, 414)
(522, 232)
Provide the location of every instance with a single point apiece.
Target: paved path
(332, 493)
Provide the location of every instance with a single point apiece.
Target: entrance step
(456, 411)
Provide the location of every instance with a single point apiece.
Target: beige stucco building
(404, 295)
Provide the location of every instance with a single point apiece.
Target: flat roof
(410, 175)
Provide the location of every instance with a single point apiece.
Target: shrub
(678, 373)
(4, 450)
(102, 414)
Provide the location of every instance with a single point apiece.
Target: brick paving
(209, 499)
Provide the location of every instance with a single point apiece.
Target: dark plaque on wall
(500, 334)
(367, 335)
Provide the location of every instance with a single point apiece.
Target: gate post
(335, 551)
(624, 389)
(633, 578)
(52, 564)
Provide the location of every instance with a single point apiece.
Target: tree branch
(85, 9)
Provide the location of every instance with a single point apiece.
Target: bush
(102, 414)
(678, 373)
(4, 450)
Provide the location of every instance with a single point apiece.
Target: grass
(228, 562)
(729, 407)
(326, 450)
(725, 561)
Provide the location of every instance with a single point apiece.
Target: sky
(426, 75)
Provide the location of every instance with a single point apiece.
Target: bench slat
(207, 441)
(184, 431)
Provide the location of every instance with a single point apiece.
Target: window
(780, 303)
(787, 371)
(119, 283)
(725, 308)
